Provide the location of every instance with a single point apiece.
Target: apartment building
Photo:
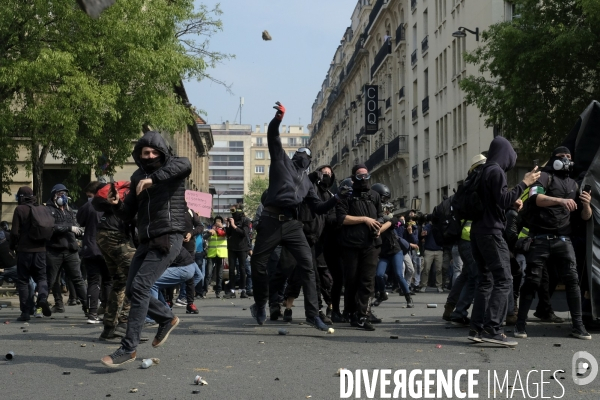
(391, 97)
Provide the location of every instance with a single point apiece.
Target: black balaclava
(301, 160)
(359, 185)
(150, 165)
(325, 181)
(237, 215)
(559, 162)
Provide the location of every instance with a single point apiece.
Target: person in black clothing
(63, 249)
(288, 187)
(97, 272)
(489, 248)
(238, 246)
(31, 256)
(360, 217)
(554, 198)
(157, 198)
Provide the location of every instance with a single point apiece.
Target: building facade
(292, 138)
(229, 165)
(426, 134)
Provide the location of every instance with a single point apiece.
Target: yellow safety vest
(524, 233)
(466, 230)
(217, 247)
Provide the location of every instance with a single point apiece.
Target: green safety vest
(217, 247)
(524, 233)
(466, 230)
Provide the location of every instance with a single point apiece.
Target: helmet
(383, 190)
(346, 182)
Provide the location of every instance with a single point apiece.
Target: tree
(538, 72)
(255, 190)
(82, 89)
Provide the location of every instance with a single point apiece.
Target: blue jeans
(173, 276)
(201, 261)
(198, 276)
(458, 263)
(470, 276)
(248, 274)
(416, 259)
(397, 261)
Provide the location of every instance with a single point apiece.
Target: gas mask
(62, 200)
(562, 164)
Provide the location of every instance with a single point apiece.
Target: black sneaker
(58, 308)
(474, 336)
(550, 318)
(520, 332)
(580, 333)
(230, 295)
(93, 319)
(259, 313)
(317, 323)
(24, 317)
(365, 324)
(118, 358)
(218, 294)
(243, 295)
(353, 320)
(409, 301)
(274, 311)
(373, 318)
(500, 339)
(163, 332)
(463, 321)
(72, 302)
(382, 297)
(448, 309)
(43, 304)
(324, 318)
(250, 293)
(287, 315)
(337, 317)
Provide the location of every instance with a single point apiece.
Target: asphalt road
(241, 360)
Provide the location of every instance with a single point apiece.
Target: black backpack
(42, 223)
(446, 227)
(466, 202)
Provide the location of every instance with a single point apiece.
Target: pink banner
(199, 202)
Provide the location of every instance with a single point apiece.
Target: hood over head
(502, 153)
(314, 176)
(150, 139)
(25, 195)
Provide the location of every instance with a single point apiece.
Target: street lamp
(461, 33)
(415, 204)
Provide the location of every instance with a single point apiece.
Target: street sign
(371, 109)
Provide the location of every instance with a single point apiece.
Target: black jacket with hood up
(365, 204)
(494, 193)
(313, 224)
(161, 208)
(288, 184)
(63, 239)
(21, 224)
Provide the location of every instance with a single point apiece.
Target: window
(259, 141)
(259, 169)
(292, 141)
(305, 141)
(236, 144)
(260, 155)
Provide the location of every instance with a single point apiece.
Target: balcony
(401, 93)
(345, 151)
(425, 44)
(426, 166)
(400, 35)
(413, 58)
(355, 143)
(376, 8)
(425, 105)
(413, 5)
(225, 178)
(259, 145)
(415, 113)
(398, 145)
(376, 158)
(226, 164)
(415, 171)
(334, 160)
(228, 149)
(388, 103)
(380, 57)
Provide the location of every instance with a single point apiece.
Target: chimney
(257, 129)
(226, 125)
(283, 128)
(266, 127)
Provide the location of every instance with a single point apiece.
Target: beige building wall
(292, 138)
(427, 134)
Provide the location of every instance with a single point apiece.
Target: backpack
(529, 211)
(121, 186)
(42, 223)
(466, 202)
(447, 228)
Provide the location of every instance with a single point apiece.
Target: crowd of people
(135, 250)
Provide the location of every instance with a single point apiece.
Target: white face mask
(60, 201)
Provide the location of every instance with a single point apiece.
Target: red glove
(280, 111)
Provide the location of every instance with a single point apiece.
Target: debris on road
(10, 355)
(431, 305)
(557, 344)
(330, 331)
(438, 346)
(261, 342)
(83, 345)
(200, 381)
(276, 379)
(66, 373)
(394, 337)
(133, 390)
(147, 363)
(266, 36)
(283, 331)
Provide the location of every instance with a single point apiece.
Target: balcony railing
(413, 4)
(381, 55)
(388, 103)
(398, 145)
(376, 158)
(259, 145)
(425, 44)
(425, 105)
(225, 178)
(334, 160)
(415, 113)
(401, 93)
(345, 151)
(415, 171)
(426, 166)
(376, 8)
(226, 164)
(413, 58)
(228, 149)
(400, 36)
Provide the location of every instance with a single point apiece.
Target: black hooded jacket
(89, 218)
(288, 184)
(493, 191)
(360, 204)
(238, 238)
(21, 223)
(63, 238)
(312, 224)
(161, 208)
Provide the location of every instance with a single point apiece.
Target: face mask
(562, 164)
(151, 164)
(326, 180)
(62, 200)
(361, 186)
(301, 160)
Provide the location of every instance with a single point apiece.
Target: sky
(290, 68)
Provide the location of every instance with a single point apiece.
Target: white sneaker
(38, 313)
(93, 319)
(180, 303)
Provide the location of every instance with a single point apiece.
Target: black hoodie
(493, 191)
(313, 224)
(289, 185)
(161, 208)
(21, 223)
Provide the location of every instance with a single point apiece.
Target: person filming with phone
(555, 197)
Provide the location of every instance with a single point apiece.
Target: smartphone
(587, 188)
(536, 163)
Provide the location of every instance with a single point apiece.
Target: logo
(580, 368)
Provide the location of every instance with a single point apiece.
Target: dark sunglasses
(304, 150)
(360, 177)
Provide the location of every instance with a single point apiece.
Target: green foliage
(252, 199)
(82, 88)
(538, 72)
